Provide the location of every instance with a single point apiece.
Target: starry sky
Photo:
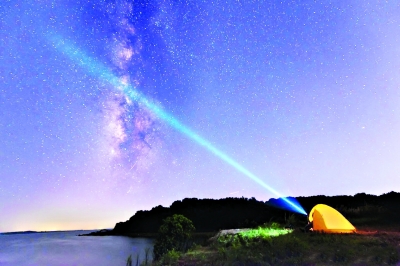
(305, 95)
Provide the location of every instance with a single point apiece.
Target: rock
(227, 232)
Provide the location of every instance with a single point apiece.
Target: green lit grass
(264, 232)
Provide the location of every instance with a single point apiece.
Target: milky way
(305, 95)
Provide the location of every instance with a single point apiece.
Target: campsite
(345, 230)
(331, 240)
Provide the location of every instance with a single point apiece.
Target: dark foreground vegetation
(293, 248)
(273, 244)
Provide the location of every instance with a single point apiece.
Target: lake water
(68, 249)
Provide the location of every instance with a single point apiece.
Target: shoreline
(40, 232)
(106, 232)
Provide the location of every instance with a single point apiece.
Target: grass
(274, 245)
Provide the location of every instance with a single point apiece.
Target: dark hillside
(209, 215)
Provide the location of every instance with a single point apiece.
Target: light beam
(98, 70)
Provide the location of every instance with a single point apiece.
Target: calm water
(68, 249)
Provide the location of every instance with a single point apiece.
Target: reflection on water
(66, 248)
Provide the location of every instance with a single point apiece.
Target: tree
(174, 234)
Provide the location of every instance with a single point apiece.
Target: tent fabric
(327, 219)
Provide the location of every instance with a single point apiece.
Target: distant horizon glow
(100, 71)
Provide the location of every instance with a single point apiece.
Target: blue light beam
(100, 71)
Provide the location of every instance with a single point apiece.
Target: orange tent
(327, 219)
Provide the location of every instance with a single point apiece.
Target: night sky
(304, 95)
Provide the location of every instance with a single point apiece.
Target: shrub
(146, 256)
(174, 234)
(129, 261)
(171, 257)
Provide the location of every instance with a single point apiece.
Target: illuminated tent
(327, 219)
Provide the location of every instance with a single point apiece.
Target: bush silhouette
(174, 234)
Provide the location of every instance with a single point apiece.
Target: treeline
(207, 215)
(210, 215)
(389, 200)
